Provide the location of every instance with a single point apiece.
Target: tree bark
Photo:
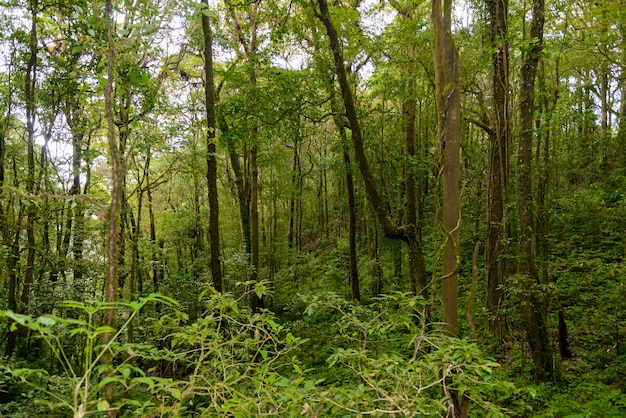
(296, 177)
(448, 100)
(497, 213)
(352, 254)
(409, 112)
(256, 302)
(209, 91)
(533, 316)
(30, 85)
(155, 268)
(10, 236)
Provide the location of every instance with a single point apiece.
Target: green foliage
(385, 362)
(233, 362)
(81, 375)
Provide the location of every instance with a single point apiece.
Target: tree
(497, 200)
(448, 98)
(532, 310)
(110, 283)
(209, 89)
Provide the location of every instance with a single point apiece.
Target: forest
(312, 208)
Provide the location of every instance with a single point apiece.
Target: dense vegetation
(303, 208)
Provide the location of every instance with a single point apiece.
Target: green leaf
(136, 306)
(176, 393)
(19, 318)
(104, 329)
(111, 379)
(103, 405)
(47, 320)
(150, 382)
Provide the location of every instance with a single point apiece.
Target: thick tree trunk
(209, 90)
(532, 313)
(497, 213)
(448, 106)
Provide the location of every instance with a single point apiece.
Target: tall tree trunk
(352, 254)
(497, 213)
(416, 262)
(533, 316)
(250, 197)
(293, 195)
(448, 98)
(13, 260)
(30, 85)
(413, 184)
(209, 93)
(124, 126)
(110, 294)
(243, 198)
(621, 133)
(256, 302)
(11, 241)
(155, 267)
(353, 274)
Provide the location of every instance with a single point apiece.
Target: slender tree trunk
(74, 217)
(209, 90)
(249, 219)
(533, 316)
(155, 268)
(414, 189)
(134, 272)
(295, 177)
(11, 241)
(448, 98)
(110, 293)
(621, 133)
(373, 250)
(497, 213)
(256, 302)
(124, 105)
(410, 109)
(79, 221)
(353, 274)
(352, 254)
(30, 85)
(417, 264)
(243, 200)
